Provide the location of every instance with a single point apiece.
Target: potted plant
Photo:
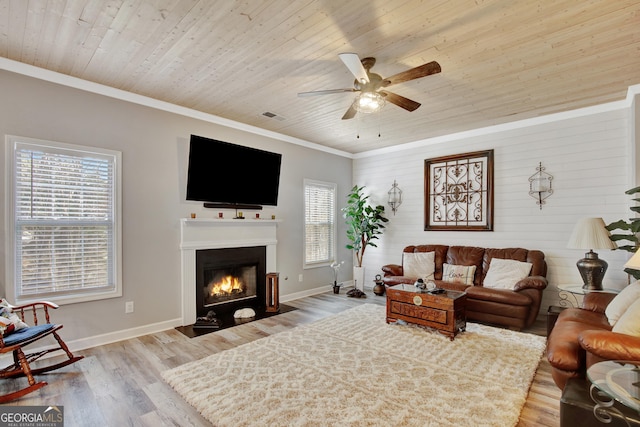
(336, 268)
(629, 231)
(365, 222)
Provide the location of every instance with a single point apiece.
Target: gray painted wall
(154, 147)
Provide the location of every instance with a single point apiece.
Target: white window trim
(306, 265)
(10, 244)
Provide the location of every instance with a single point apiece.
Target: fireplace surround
(203, 234)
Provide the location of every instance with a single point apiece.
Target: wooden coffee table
(444, 312)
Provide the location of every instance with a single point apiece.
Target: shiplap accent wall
(587, 155)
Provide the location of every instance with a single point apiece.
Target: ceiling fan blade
(414, 73)
(353, 63)
(400, 101)
(325, 92)
(350, 114)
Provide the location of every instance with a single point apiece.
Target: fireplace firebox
(230, 278)
(235, 282)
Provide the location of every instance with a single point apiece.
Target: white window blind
(319, 222)
(65, 221)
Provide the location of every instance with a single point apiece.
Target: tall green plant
(364, 222)
(629, 231)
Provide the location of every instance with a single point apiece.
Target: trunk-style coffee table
(444, 312)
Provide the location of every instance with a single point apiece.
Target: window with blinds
(319, 223)
(65, 204)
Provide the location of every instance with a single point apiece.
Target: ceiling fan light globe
(369, 102)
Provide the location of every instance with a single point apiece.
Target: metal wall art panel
(459, 192)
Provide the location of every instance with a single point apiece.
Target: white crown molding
(97, 88)
(632, 91)
(74, 82)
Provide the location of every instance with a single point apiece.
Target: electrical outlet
(300, 278)
(128, 307)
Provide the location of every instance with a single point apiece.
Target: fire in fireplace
(230, 278)
(229, 283)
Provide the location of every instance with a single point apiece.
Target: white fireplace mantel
(197, 234)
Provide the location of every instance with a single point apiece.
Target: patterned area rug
(352, 369)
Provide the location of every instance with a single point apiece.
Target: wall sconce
(395, 197)
(540, 185)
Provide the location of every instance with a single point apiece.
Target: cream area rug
(353, 369)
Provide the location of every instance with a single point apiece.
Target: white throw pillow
(458, 273)
(505, 273)
(629, 322)
(419, 264)
(621, 302)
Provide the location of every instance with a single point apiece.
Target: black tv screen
(221, 172)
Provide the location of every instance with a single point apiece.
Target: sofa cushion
(458, 273)
(621, 302)
(440, 255)
(516, 254)
(419, 264)
(505, 273)
(452, 286)
(629, 322)
(503, 296)
(466, 255)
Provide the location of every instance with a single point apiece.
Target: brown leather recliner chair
(583, 336)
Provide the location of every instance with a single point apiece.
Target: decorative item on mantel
(590, 233)
(540, 185)
(395, 197)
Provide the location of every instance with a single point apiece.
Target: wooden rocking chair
(16, 341)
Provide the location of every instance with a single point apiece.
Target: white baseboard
(125, 334)
(302, 294)
(104, 339)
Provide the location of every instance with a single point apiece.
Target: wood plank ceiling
(502, 60)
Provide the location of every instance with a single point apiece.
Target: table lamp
(590, 233)
(634, 261)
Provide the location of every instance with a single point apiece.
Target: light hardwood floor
(120, 384)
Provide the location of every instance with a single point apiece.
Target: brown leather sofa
(515, 309)
(583, 336)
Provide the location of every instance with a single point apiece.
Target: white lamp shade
(590, 233)
(634, 261)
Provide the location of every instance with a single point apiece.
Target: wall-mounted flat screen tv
(225, 173)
